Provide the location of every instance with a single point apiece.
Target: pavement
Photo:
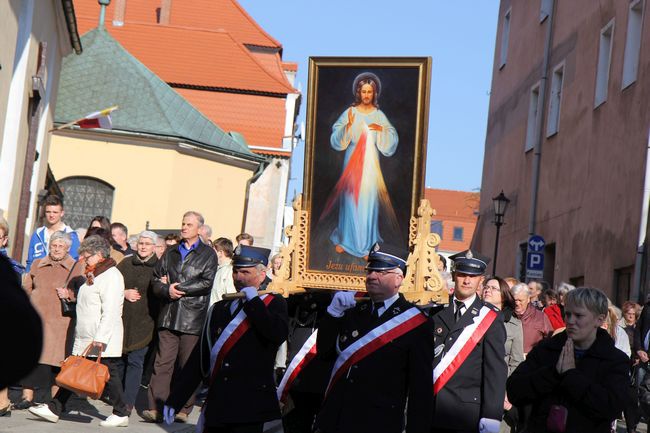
(84, 415)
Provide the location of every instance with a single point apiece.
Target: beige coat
(41, 283)
(99, 314)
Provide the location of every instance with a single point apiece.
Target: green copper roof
(106, 75)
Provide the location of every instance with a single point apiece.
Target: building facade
(567, 141)
(34, 37)
(455, 218)
(222, 62)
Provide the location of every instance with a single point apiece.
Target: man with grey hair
(534, 322)
(205, 233)
(183, 280)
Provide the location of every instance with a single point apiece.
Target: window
(604, 61)
(632, 43)
(553, 125)
(436, 227)
(458, 234)
(85, 198)
(505, 36)
(623, 284)
(533, 117)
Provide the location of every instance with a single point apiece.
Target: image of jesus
(364, 133)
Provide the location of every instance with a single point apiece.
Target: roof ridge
(255, 23)
(258, 63)
(201, 131)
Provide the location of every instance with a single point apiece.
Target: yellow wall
(156, 183)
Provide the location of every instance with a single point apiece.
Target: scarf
(95, 270)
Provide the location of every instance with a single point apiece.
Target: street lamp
(500, 207)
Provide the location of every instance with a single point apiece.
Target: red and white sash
(375, 339)
(235, 329)
(306, 353)
(462, 347)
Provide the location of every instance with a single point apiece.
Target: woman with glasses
(99, 324)
(497, 292)
(137, 316)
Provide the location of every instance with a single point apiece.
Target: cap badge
(375, 247)
(469, 255)
(238, 250)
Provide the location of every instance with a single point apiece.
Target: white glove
(487, 425)
(250, 292)
(169, 414)
(340, 302)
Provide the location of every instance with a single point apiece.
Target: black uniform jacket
(195, 275)
(371, 395)
(477, 389)
(243, 390)
(594, 393)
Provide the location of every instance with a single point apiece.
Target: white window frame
(605, 45)
(555, 101)
(633, 40)
(505, 37)
(534, 111)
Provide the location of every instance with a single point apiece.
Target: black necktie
(376, 307)
(459, 305)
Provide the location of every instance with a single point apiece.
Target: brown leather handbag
(83, 376)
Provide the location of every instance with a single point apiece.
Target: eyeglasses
(382, 273)
(486, 287)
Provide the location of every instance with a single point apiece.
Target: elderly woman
(46, 276)
(497, 292)
(99, 325)
(576, 381)
(137, 316)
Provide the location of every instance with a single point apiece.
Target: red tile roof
(199, 14)
(232, 66)
(290, 66)
(241, 113)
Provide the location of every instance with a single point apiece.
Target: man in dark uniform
(306, 393)
(237, 354)
(383, 351)
(469, 367)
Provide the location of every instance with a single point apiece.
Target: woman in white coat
(99, 324)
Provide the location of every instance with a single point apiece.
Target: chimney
(120, 11)
(165, 12)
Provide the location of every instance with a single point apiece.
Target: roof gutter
(249, 183)
(71, 23)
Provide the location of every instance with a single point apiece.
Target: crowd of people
(502, 356)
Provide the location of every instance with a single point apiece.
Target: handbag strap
(67, 280)
(88, 349)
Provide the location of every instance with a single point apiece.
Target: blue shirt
(185, 251)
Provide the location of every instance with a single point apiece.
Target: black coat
(244, 389)
(138, 317)
(477, 389)
(195, 275)
(641, 329)
(371, 396)
(594, 393)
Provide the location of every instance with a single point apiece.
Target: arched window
(84, 198)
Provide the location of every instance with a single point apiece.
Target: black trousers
(301, 418)
(236, 428)
(114, 387)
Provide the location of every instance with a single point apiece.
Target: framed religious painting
(365, 154)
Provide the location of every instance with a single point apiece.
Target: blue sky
(459, 36)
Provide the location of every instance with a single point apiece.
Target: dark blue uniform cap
(246, 256)
(384, 258)
(469, 262)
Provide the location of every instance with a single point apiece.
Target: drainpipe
(537, 152)
(249, 183)
(643, 227)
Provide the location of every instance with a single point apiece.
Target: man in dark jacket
(237, 354)
(577, 381)
(383, 351)
(183, 280)
(469, 367)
